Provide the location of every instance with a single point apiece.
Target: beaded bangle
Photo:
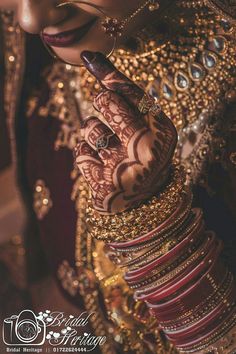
(210, 338)
(225, 341)
(159, 234)
(174, 266)
(160, 272)
(208, 320)
(138, 221)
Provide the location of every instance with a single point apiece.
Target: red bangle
(175, 236)
(162, 284)
(190, 238)
(209, 321)
(215, 327)
(156, 293)
(159, 274)
(190, 274)
(190, 299)
(204, 307)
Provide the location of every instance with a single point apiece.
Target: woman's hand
(126, 160)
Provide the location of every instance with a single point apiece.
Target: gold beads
(154, 5)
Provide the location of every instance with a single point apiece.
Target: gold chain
(129, 18)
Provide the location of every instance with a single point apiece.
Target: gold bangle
(138, 221)
(162, 235)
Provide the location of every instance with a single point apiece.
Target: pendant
(196, 71)
(181, 81)
(167, 89)
(209, 60)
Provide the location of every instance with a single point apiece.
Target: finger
(111, 78)
(98, 135)
(119, 115)
(88, 161)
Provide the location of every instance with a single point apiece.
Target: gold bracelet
(160, 237)
(138, 221)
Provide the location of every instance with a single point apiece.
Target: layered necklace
(189, 73)
(192, 74)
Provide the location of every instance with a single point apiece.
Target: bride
(121, 120)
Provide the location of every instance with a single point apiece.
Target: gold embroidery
(191, 81)
(88, 282)
(227, 8)
(191, 78)
(42, 200)
(14, 44)
(68, 277)
(232, 158)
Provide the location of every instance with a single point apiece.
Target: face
(68, 27)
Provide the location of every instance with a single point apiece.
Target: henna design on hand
(136, 163)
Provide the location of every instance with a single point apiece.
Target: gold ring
(148, 104)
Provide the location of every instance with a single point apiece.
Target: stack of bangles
(174, 266)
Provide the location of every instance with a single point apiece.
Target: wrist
(136, 222)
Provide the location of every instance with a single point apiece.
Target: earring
(154, 5)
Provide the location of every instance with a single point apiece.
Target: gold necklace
(189, 75)
(192, 75)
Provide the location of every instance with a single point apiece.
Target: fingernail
(88, 56)
(97, 64)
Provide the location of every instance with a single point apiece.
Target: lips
(68, 38)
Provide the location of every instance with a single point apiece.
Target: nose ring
(100, 11)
